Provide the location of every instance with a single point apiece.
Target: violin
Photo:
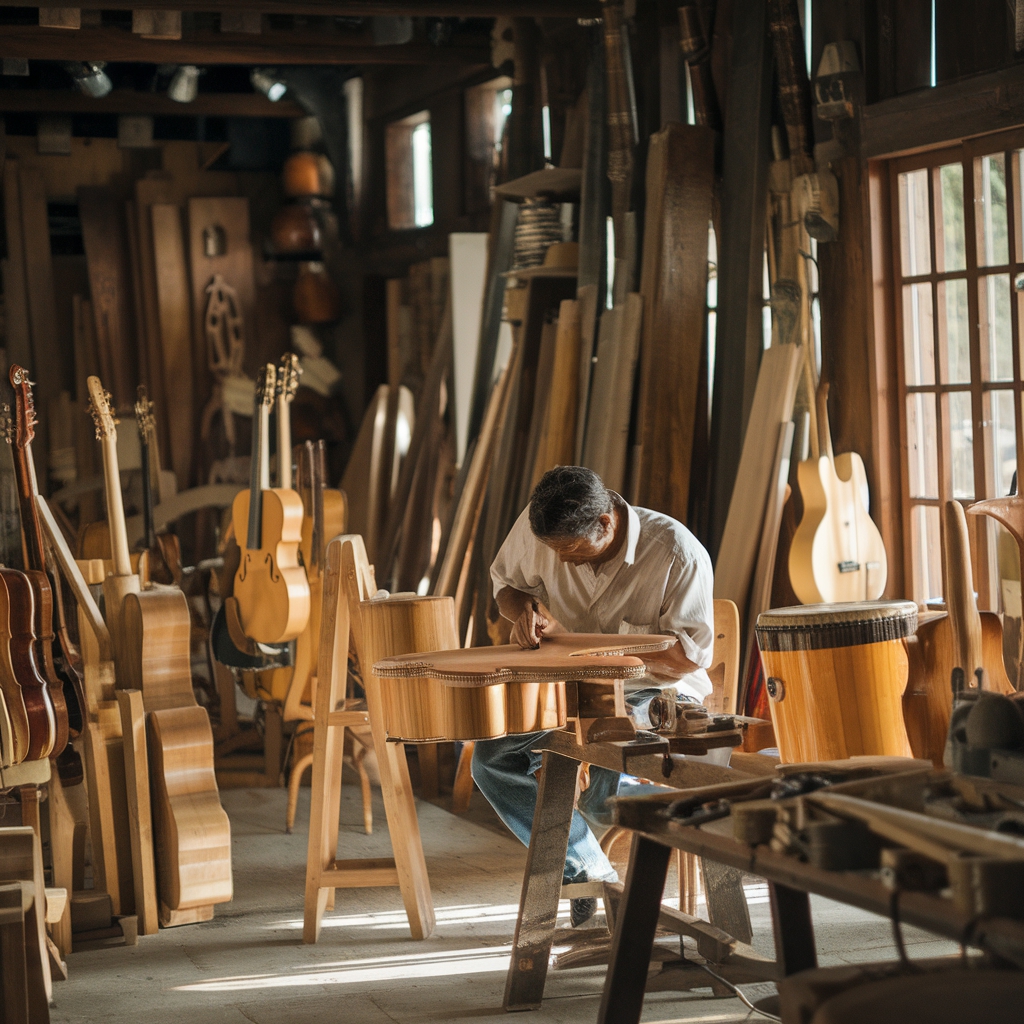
(270, 585)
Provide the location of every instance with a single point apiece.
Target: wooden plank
(960, 110)
(16, 324)
(140, 816)
(773, 406)
(174, 334)
(156, 104)
(746, 151)
(103, 235)
(369, 8)
(611, 396)
(468, 256)
(680, 181)
(209, 47)
(557, 445)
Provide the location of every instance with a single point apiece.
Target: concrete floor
(249, 964)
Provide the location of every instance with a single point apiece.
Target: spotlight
(265, 80)
(89, 77)
(184, 85)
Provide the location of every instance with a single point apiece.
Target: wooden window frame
(399, 172)
(1007, 142)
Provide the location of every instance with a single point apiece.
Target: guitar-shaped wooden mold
(164, 549)
(56, 656)
(837, 553)
(270, 586)
(152, 654)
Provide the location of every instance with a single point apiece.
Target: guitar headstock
(144, 419)
(266, 386)
(24, 427)
(288, 374)
(99, 406)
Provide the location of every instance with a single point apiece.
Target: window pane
(950, 250)
(927, 542)
(422, 176)
(918, 336)
(921, 446)
(1018, 181)
(994, 327)
(1000, 442)
(915, 251)
(990, 210)
(961, 444)
(954, 340)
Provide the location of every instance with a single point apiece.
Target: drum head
(816, 627)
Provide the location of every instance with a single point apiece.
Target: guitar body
(837, 553)
(156, 630)
(928, 698)
(42, 626)
(14, 724)
(42, 725)
(271, 586)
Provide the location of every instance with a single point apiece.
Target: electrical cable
(739, 995)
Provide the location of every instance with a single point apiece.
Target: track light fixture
(184, 86)
(89, 77)
(265, 80)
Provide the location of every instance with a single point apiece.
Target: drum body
(836, 675)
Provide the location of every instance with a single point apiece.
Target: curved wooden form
(14, 723)
(158, 659)
(193, 834)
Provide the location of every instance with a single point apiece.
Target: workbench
(790, 884)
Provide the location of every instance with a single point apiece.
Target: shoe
(581, 910)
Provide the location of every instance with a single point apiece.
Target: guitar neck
(115, 509)
(28, 488)
(284, 442)
(258, 472)
(824, 430)
(147, 494)
(318, 476)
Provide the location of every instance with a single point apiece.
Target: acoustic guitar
(270, 586)
(15, 739)
(164, 549)
(151, 637)
(58, 657)
(961, 637)
(837, 553)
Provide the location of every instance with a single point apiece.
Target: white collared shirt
(660, 581)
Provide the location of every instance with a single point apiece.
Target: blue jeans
(505, 771)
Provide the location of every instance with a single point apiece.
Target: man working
(580, 559)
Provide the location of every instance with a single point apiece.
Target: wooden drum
(835, 676)
(424, 709)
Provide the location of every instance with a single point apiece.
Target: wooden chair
(347, 581)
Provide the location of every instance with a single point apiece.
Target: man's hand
(530, 619)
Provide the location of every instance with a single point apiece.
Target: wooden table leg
(793, 929)
(542, 883)
(635, 924)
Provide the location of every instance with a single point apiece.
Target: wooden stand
(347, 581)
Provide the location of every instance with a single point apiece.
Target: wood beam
(361, 8)
(126, 101)
(745, 155)
(203, 47)
(948, 113)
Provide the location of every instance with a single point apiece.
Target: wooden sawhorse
(549, 840)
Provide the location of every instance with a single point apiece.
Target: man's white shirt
(660, 581)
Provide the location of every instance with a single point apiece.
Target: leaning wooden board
(673, 283)
(174, 331)
(110, 287)
(773, 406)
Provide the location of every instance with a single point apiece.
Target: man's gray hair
(567, 504)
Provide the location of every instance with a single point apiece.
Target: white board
(467, 253)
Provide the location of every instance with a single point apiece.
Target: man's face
(584, 550)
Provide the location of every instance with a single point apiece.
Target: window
(488, 106)
(958, 255)
(410, 178)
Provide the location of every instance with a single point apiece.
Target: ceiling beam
(156, 104)
(361, 8)
(205, 47)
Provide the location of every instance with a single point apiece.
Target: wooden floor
(249, 963)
